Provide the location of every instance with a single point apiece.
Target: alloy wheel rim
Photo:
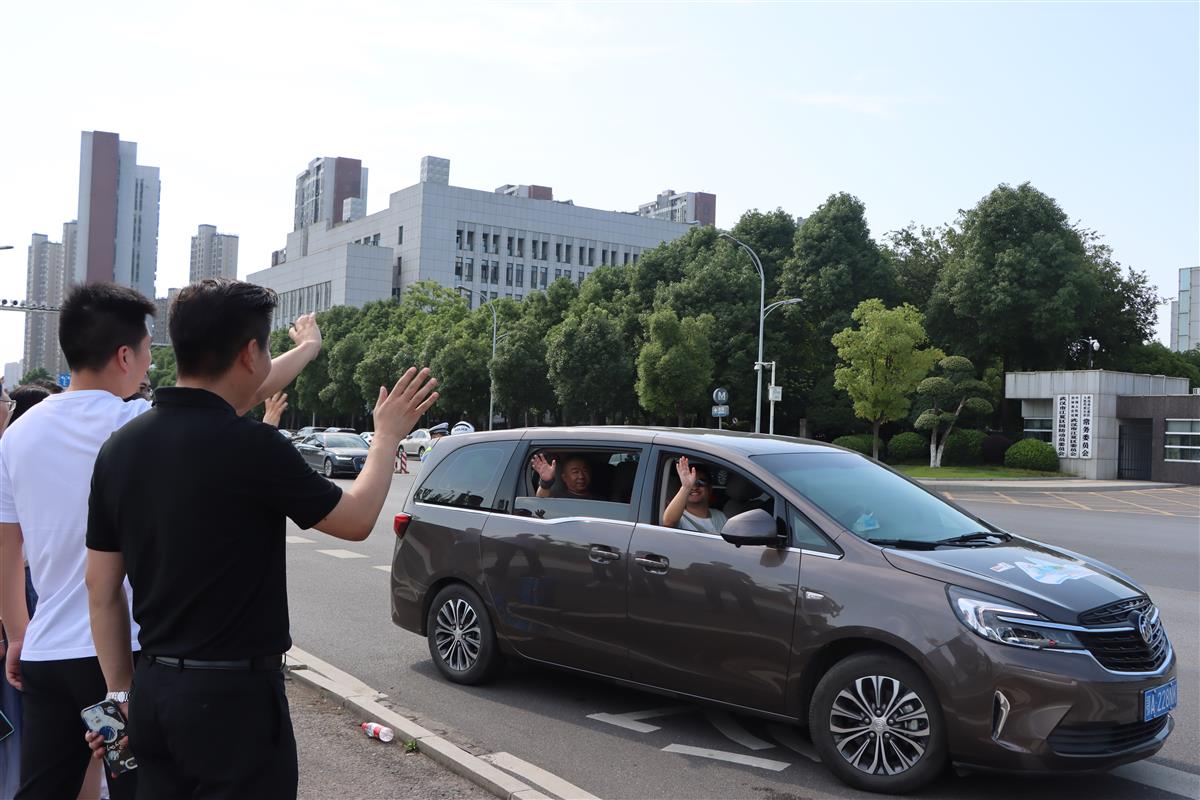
(879, 725)
(457, 635)
(328, 467)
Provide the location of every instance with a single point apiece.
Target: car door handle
(602, 554)
(653, 563)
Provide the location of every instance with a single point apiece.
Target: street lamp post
(762, 296)
(491, 382)
(771, 386)
(1093, 346)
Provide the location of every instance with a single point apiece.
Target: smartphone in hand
(106, 719)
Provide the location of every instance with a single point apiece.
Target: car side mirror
(319, 445)
(754, 527)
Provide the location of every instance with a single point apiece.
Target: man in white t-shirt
(46, 463)
(688, 509)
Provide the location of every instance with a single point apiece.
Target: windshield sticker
(1003, 565)
(866, 522)
(1053, 572)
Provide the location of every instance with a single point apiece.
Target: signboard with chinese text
(1074, 425)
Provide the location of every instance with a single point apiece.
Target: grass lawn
(973, 473)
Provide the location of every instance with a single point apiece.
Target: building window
(1039, 428)
(520, 274)
(545, 250)
(520, 248)
(508, 274)
(520, 297)
(581, 259)
(1182, 440)
(545, 273)
(495, 273)
(510, 246)
(469, 269)
(591, 256)
(558, 251)
(458, 267)
(494, 295)
(375, 240)
(508, 295)
(400, 235)
(557, 273)
(567, 254)
(470, 240)
(626, 258)
(635, 258)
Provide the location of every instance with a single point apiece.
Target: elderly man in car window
(576, 478)
(688, 509)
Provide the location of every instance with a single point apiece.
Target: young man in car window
(689, 509)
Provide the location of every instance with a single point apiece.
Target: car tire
(462, 641)
(420, 454)
(328, 471)
(863, 749)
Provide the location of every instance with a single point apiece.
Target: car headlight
(1007, 623)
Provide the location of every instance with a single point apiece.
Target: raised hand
(545, 469)
(276, 405)
(305, 330)
(687, 475)
(397, 412)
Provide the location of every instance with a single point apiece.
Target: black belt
(261, 663)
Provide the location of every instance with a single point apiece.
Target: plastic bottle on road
(377, 731)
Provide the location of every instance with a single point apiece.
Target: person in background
(26, 397)
(275, 406)
(689, 509)
(145, 391)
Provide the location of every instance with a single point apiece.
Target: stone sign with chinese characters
(1074, 425)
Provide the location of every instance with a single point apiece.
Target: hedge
(908, 448)
(994, 448)
(1032, 454)
(859, 441)
(964, 447)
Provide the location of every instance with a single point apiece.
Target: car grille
(1127, 651)
(1101, 740)
(1114, 613)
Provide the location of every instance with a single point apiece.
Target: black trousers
(54, 755)
(211, 734)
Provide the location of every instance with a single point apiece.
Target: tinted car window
(344, 440)
(612, 475)
(805, 535)
(468, 477)
(867, 499)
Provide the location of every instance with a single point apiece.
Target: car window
(468, 477)
(806, 536)
(606, 493)
(866, 499)
(343, 440)
(730, 491)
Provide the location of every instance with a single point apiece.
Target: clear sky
(918, 109)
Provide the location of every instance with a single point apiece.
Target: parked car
(285, 433)
(367, 436)
(418, 443)
(904, 631)
(334, 453)
(341, 430)
(305, 432)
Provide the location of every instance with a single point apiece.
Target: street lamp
(491, 382)
(1093, 346)
(762, 296)
(771, 386)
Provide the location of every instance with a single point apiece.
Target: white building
(323, 189)
(505, 243)
(690, 207)
(117, 238)
(12, 374)
(214, 255)
(45, 283)
(1185, 311)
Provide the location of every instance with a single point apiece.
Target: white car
(418, 443)
(367, 436)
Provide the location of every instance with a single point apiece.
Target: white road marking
(721, 755)
(384, 567)
(733, 731)
(297, 540)
(1160, 776)
(538, 777)
(789, 738)
(630, 721)
(342, 553)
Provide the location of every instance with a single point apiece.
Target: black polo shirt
(195, 498)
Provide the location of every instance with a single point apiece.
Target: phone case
(6, 727)
(106, 719)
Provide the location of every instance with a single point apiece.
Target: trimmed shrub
(994, 448)
(858, 441)
(908, 448)
(964, 447)
(1032, 454)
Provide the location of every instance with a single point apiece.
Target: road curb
(349, 692)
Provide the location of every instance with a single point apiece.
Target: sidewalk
(338, 760)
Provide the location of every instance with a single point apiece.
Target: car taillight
(400, 524)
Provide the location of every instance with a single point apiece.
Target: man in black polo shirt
(191, 499)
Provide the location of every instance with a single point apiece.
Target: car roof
(744, 443)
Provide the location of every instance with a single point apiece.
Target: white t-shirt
(710, 524)
(46, 461)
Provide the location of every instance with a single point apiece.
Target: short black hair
(98, 319)
(47, 384)
(27, 396)
(213, 319)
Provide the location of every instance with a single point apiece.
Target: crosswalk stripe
(342, 553)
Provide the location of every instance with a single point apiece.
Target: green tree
(341, 393)
(917, 256)
(162, 367)
(674, 368)
(519, 372)
(589, 363)
(944, 397)
(37, 373)
(882, 360)
(772, 234)
(458, 358)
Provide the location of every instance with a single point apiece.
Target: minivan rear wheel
(877, 724)
(462, 641)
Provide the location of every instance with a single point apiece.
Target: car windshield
(868, 500)
(344, 440)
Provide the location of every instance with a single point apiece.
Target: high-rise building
(690, 207)
(161, 337)
(1185, 311)
(44, 286)
(117, 237)
(505, 243)
(214, 255)
(323, 189)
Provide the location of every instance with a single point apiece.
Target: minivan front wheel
(462, 641)
(877, 724)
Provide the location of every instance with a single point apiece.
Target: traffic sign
(720, 396)
(776, 394)
(64, 380)
(720, 411)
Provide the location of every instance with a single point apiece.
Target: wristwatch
(119, 697)
(545, 484)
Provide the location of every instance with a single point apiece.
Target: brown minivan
(905, 632)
